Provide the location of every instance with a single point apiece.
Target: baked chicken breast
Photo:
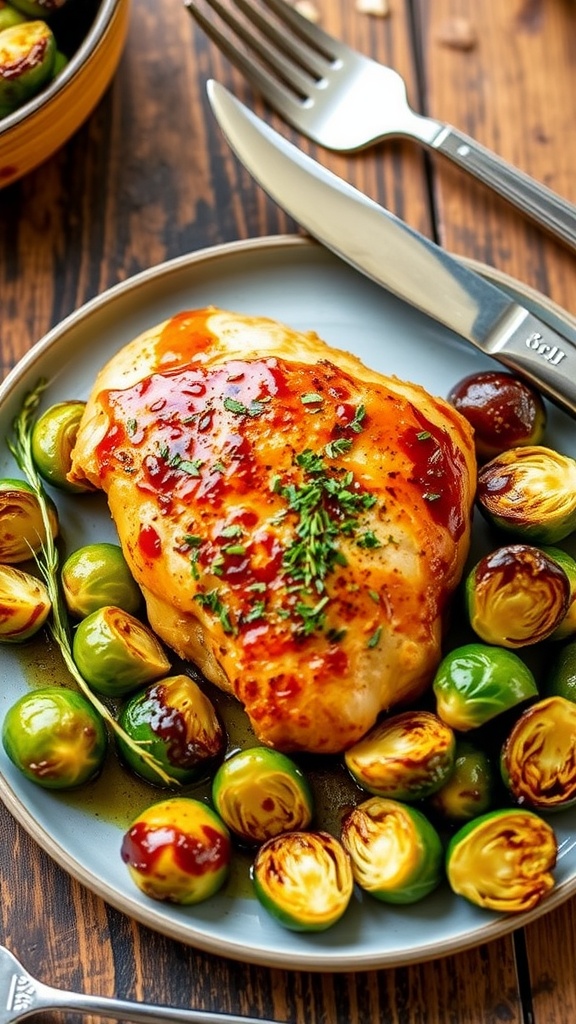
(296, 521)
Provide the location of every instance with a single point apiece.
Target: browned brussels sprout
(304, 880)
(405, 757)
(178, 850)
(538, 759)
(178, 725)
(530, 492)
(503, 860)
(38, 8)
(567, 627)
(27, 55)
(504, 411)
(22, 532)
(516, 596)
(396, 853)
(24, 605)
(53, 438)
(469, 791)
(116, 653)
(261, 793)
(476, 682)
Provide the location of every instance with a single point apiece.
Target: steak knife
(400, 259)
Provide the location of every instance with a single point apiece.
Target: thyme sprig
(47, 560)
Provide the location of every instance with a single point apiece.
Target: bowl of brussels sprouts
(56, 59)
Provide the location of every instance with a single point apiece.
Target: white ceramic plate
(301, 284)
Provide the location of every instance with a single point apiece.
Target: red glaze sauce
(438, 469)
(196, 855)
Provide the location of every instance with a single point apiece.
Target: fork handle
(543, 206)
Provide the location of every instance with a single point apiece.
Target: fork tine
(269, 85)
(315, 37)
(309, 59)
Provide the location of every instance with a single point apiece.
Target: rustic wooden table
(150, 177)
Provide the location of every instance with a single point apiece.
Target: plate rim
(327, 962)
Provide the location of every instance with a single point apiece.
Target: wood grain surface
(149, 177)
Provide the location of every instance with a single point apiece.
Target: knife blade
(403, 261)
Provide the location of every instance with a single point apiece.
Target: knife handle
(543, 206)
(541, 355)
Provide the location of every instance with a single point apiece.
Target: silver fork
(345, 101)
(21, 995)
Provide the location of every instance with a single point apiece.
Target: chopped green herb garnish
(431, 496)
(339, 447)
(374, 595)
(368, 540)
(424, 435)
(233, 405)
(311, 398)
(356, 424)
(374, 639)
(211, 600)
(131, 427)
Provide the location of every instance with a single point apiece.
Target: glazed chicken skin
(296, 521)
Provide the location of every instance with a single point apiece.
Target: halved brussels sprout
(567, 626)
(304, 880)
(396, 853)
(22, 532)
(178, 850)
(178, 725)
(516, 596)
(405, 757)
(55, 737)
(9, 15)
(538, 759)
(504, 411)
(531, 492)
(116, 653)
(24, 605)
(560, 679)
(53, 438)
(476, 682)
(469, 791)
(98, 575)
(261, 793)
(503, 860)
(27, 54)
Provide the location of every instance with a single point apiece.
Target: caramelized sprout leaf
(24, 605)
(538, 759)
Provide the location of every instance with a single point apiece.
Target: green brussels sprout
(9, 16)
(516, 596)
(396, 853)
(38, 8)
(304, 880)
(260, 793)
(97, 575)
(538, 758)
(469, 791)
(567, 626)
(27, 54)
(560, 680)
(503, 860)
(504, 411)
(179, 726)
(178, 850)
(476, 682)
(531, 492)
(22, 532)
(24, 605)
(405, 757)
(115, 653)
(55, 737)
(53, 438)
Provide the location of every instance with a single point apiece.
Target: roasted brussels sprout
(530, 492)
(538, 759)
(27, 54)
(503, 410)
(404, 757)
(260, 793)
(55, 737)
(516, 596)
(396, 853)
(38, 8)
(98, 575)
(178, 850)
(304, 880)
(561, 677)
(9, 15)
(24, 605)
(22, 532)
(476, 682)
(469, 791)
(567, 626)
(503, 860)
(53, 438)
(116, 654)
(179, 726)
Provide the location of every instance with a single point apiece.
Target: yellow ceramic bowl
(32, 133)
